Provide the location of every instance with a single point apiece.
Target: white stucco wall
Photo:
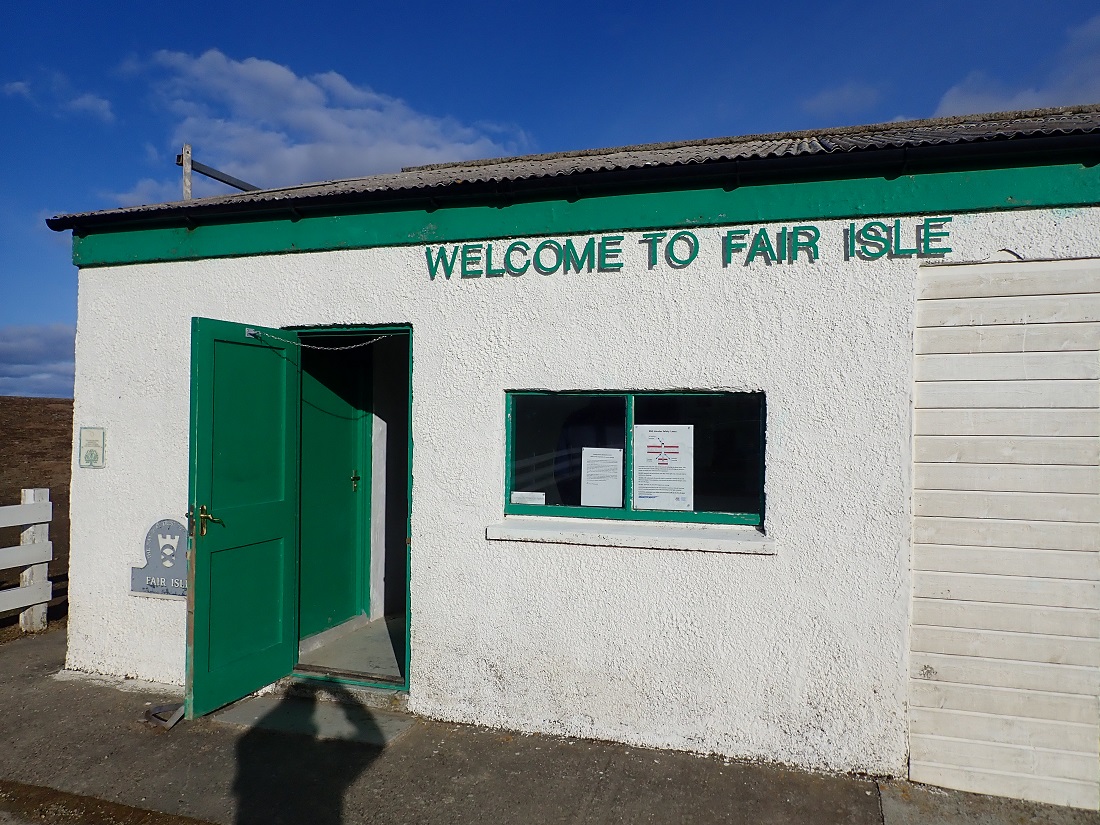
(798, 657)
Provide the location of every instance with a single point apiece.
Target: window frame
(626, 512)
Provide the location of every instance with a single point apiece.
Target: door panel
(242, 608)
(250, 385)
(231, 638)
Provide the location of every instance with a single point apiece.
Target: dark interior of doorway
(353, 602)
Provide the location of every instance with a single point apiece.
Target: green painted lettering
(670, 250)
(536, 259)
(441, 259)
(928, 236)
(652, 238)
(471, 257)
(511, 267)
(733, 241)
(805, 237)
(874, 240)
(489, 271)
(761, 245)
(899, 250)
(610, 250)
(851, 233)
(587, 257)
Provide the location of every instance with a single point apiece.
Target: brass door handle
(204, 517)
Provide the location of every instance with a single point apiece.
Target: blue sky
(96, 99)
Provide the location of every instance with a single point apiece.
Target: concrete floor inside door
(374, 651)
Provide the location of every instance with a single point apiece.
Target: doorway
(299, 490)
(353, 529)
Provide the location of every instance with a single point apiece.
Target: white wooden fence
(33, 555)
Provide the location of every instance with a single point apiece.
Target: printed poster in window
(664, 467)
(601, 477)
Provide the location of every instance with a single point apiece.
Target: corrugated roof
(428, 180)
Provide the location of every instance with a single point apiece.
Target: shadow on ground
(84, 740)
(288, 773)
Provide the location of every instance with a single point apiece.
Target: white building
(779, 447)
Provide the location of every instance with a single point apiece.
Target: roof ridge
(840, 131)
(650, 158)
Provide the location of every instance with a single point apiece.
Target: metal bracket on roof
(184, 159)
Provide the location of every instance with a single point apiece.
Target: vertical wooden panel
(33, 619)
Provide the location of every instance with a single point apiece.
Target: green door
(242, 628)
(335, 479)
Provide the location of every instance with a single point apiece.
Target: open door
(242, 623)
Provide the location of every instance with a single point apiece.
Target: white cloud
(149, 190)
(53, 92)
(1074, 78)
(846, 99)
(92, 104)
(261, 122)
(17, 87)
(37, 360)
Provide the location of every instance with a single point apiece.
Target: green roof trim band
(1062, 185)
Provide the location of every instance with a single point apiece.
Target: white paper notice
(601, 477)
(664, 467)
(519, 497)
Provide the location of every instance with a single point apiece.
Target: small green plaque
(92, 447)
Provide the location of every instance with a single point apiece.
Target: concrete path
(74, 751)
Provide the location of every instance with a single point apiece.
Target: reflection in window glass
(549, 432)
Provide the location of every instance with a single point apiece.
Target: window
(689, 457)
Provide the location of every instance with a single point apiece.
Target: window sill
(648, 535)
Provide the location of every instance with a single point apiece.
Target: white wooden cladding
(1007, 561)
(1045, 788)
(1031, 506)
(998, 757)
(972, 587)
(1006, 422)
(1061, 707)
(1006, 394)
(984, 449)
(1008, 478)
(1008, 280)
(995, 644)
(1051, 621)
(1044, 309)
(1009, 730)
(1005, 640)
(1009, 338)
(1006, 366)
(1039, 535)
(1005, 673)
